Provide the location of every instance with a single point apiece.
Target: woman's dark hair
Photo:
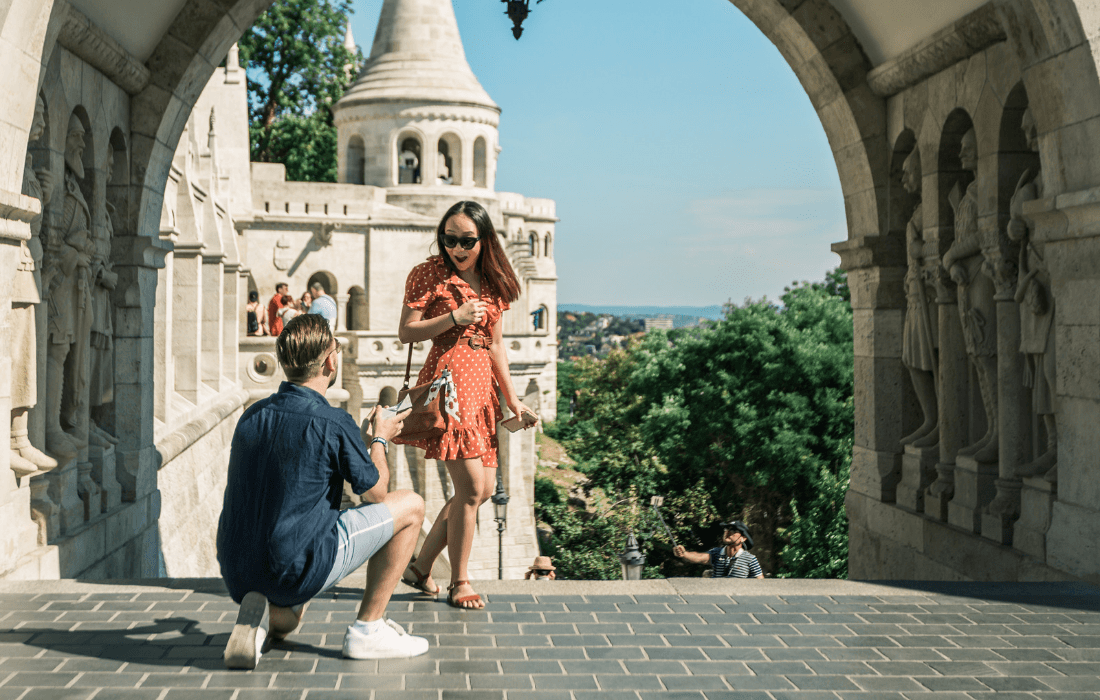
(253, 296)
(492, 263)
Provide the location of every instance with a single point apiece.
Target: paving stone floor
(678, 640)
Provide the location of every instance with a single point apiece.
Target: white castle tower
(417, 121)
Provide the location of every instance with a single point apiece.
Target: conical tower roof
(417, 56)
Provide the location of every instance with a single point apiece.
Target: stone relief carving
(1033, 294)
(26, 295)
(101, 337)
(69, 258)
(968, 268)
(282, 256)
(918, 352)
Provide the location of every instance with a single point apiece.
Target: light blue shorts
(362, 531)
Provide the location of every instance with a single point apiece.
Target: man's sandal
(419, 581)
(458, 602)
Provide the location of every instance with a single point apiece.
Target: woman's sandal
(458, 602)
(420, 581)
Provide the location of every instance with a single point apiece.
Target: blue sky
(688, 165)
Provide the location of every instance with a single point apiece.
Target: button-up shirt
(290, 456)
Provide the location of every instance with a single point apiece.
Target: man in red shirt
(275, 322)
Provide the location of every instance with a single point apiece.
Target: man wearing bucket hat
(541, 570)
(730, 559)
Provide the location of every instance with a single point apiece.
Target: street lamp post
(632, 560)
(500, 515)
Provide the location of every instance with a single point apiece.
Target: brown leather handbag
(434, 406)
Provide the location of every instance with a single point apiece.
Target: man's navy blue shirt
(290, 456)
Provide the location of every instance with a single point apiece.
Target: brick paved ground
(677, 640)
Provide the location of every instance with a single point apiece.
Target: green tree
(755, 411)
(296, 63)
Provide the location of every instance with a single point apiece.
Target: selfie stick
(655, 503)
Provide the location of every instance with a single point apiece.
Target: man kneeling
(282, 537)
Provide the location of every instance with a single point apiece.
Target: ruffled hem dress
(436, 291)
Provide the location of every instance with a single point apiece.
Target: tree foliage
(296, 65)
(752, 415)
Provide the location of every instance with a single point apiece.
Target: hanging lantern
(517, 11)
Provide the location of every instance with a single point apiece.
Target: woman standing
(456, 299)
(257, 315)
(305, 302)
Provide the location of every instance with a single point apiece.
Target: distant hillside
(681, 315)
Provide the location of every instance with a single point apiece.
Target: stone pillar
(164, 373)
(137, 260)
(1015, 429)
(44, 512)
(187, 325)
(103, 472)
(211, 294)
(63, 490)
(232, 318)
(954, 398)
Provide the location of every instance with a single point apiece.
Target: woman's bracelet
(453, 318)
(385, 443)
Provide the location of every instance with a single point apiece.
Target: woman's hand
(469, 313)
(530, 418)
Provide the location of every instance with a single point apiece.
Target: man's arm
(380, 424)
(691, 557)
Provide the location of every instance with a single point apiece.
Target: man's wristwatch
(385, 443)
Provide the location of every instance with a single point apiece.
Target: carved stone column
(137, 259)
(954, 397)
(1014, 433)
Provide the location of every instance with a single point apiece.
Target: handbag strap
(408, 367)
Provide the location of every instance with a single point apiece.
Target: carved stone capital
(870, 251)
(143, 251)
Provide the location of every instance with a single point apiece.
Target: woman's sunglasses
(450, 241)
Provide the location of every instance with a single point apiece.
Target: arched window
(533, 244)
(540, 318)
(546, 246)
(356, 160)
(448, 170)
(481, 163)
(408, 161)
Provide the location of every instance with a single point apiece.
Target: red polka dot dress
(436, 291)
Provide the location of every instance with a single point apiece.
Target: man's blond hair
(303, 346)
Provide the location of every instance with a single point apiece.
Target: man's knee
(407, 507)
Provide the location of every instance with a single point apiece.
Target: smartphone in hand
(520, 422)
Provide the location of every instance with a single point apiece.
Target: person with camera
(282, 538)
(541, 570)
(730, 559)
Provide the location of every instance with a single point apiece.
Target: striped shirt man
(740, 565)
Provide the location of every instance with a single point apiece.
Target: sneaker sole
(384, 655)
(240, 650)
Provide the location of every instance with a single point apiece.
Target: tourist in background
(305, 302)
(257, 315)
(730, 559)
(456, 299)
(273, 306)
(323, 304)
(541, 570)
(289, 310)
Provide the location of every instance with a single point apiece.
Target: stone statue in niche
(26, 294)
(965, 263)
(69, 259)
(1036, 315)
(101, 380)
(918, 348)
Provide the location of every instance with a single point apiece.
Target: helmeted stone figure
(918, 349)
(69, 297)
(1033, 294)
(977, 311)
(26, 294)
(101, 379)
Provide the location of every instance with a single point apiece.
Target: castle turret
(417, 120)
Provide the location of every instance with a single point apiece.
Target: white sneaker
(390, 642)
(246, 643)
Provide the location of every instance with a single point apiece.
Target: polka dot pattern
(436, 291)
